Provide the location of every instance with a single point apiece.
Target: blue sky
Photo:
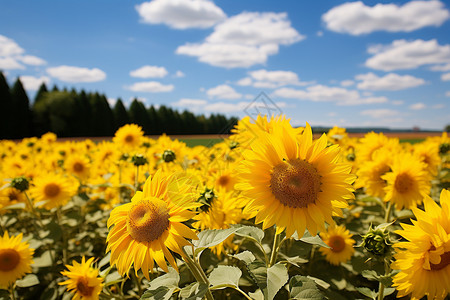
(324, 62)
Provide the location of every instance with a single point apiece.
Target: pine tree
(102, 116)
(21, 124)
(120, 113)
(155, 121)
(139, 116)
(41, 92)
(6, 109)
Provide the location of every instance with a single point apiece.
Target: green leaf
(296, 260)
(28, 281)
(277, 276)
(212, 237)
(313, 240)
(224, 276)
(113, 278)
(246, 256)
(55, 231)
(258, 271)
(45, 260)
(15, 206)
(367, 292)
(104, 261)
(373, 275)
(158, 293)
(194, 291)
(249, 232)
(302, 287)
(257, 295)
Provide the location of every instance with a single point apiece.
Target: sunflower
(428, 152)
(424, 260)
(294, 182)
(10, 196)
(341, 243)
(83, 280)
(54, 189)
(370, 172)
(408, 183)
(128, 136)
(16, 257)
(373, 141)
(147, 228)
(78, 166)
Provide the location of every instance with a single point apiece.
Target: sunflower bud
(20, 183)
(377, 241)
(139, 160)
(206, 198)
(233, 145)
(168, 155)
(124, 157)
(444, 148)
(351, 157)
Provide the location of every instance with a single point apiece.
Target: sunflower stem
(243, 293)
(136, 180)
(64, 240)
(388, 210)
(198, 273)
(138, 283)
(275, 248)
(12, 291)
(33, 211)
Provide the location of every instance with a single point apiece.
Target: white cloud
(443, 68)
(112, 101)
(186, 102)
(402, 54)
(9, 63)
(356, 18)
(181, 14)
(32, 60)
(445, 77)
(31, 83)
(321, 93)
(447, 94)
(438, 106)
(389, 82)
(271, 79)
(149, 72)
(150, 87)
(417, 106)
(247, 81)
(8, 47)
(179, 74)
(379, 113)
(346, 83)
(226, 107)
(319, 33)
(76, 74)
(397, 102)
(244, 40)
(223, 91)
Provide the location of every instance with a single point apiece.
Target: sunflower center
(83, 287)
(52, 190)
(78, 167)
(147, 220)
(9, 259)
(337, 243)
(129, 138)
(445, 261)
(295, 183)
(223, 180)
(403, 183)
(13, 196)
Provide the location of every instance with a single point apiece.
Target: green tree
(155, 121)
(102, 120)
(121, 116)
(6, 109)
(21, 123)
(139, 116)
(40, 93)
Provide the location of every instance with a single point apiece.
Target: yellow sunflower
(149, 227)
(370, 172)
(428, 152)
(371, 142)
(341, 243)
(9, 196)
(294, 182)
(15, 259)
(424, 260)
(128, 137)
(78, 166)
(83, 280)
(55, 189)
(408, 183)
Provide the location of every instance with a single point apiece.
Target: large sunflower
(408, 183)
(128, 137)
(147, 228)
(341, 243)
(370, 172)
(294, 182)
(15, 259)
(424, 260)
(52, 190)
(83, 280)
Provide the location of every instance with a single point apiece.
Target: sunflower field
(268, 213)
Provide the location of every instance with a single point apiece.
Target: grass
(411, 141)
(201, 142)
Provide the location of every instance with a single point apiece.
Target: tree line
(80, 114)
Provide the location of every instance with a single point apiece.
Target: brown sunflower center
(147, 220)
(445, 261)
(337, 243)
(403, 183)
(9, 259)
(223, 180)
(13, 196)
(129, 138)
(51, 190)
(295, 183)
(83, 287)
(78, 167)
